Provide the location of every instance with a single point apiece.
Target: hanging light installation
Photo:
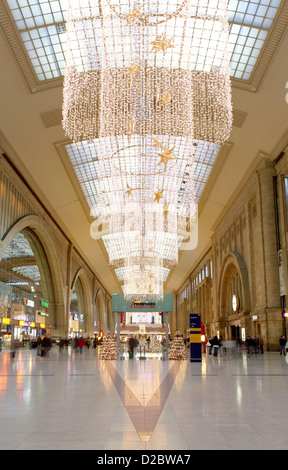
(143, 80)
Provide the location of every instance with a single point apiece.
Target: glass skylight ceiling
(41, 25)
(84, 159)
(31, 272)
(18, 248)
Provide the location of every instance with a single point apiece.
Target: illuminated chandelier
(143, 80)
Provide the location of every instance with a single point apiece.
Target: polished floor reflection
(74, 401)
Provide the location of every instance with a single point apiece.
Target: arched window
(235, 294)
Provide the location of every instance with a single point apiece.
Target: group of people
(217, 345)
(255, 345)
(214, 344)
(44, 344)
(78, 344)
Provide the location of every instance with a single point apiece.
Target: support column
(167, 334)
(68, 289)
(118, 334)
(271, 269)
(266, 174)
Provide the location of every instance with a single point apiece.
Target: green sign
(44, 304)
(142, 304)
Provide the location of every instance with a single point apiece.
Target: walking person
(39, 345)
(46, 346)
(15, 345)
(282, 342)
(215, 344)
(210, 346)
(81, 343)
(74, 344)
(261, 344)
(132, 346)
(221, 346)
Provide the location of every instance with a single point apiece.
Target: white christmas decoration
(143, 80)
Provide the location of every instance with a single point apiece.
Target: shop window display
(26, 291)
(77, 325)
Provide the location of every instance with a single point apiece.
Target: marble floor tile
(73, 402)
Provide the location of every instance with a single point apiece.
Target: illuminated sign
(29, 303)
(22, 323)
(235, 303)
(6, 321)
(120, 304)
(141, 302)
(44, 314)
(44, 304)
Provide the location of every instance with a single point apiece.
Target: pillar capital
(266, 165)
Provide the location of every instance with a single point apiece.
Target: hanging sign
(141, 303)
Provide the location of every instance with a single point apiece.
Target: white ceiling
(32, 148)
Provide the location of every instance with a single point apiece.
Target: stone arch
(37, 226)
(101, 312)
(232, 263)
(81, 275)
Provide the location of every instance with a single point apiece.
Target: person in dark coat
(282, 342)
(215, 344)
(46, 346)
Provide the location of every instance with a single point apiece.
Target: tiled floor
(73, 401)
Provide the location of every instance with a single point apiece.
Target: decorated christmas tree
(154, 345)
(177, 350)
(108, 348)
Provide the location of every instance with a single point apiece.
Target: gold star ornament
(166, 98)
(158, 143)
(159, 195)
(135, 16)
(161, 43)
(166, 155)
(129, 190)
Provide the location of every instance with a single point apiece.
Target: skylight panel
(30, 272)
(250, 21)
(18, 248)
(84, 159)
(41, 25)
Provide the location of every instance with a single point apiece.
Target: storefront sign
(255, 317)
(44, 304)
(44, 314)
(6, 321)
(29, 303)
(120, 304)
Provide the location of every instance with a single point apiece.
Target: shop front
(26, 292)
(77, 324)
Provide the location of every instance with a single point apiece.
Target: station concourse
(81, 224)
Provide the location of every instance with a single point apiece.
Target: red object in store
(203, 336)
